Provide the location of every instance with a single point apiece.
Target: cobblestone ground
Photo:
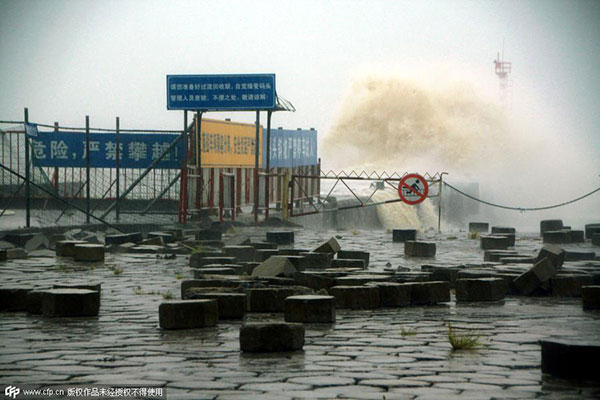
(364, 355)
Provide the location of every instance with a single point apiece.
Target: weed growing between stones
(178, 276)
(167, 295)
(473, 235)
(464, 341)
(356, 233)
(117, 270)
(408, 331)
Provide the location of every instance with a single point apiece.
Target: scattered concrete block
(331, 246)
(153, 241)
(70, 303)
(590, 297)
(511, 237)
(403, 235)
(577, 237)
(14, 299)
(481, 289)
(15, 253)
(535, 277)
(355, 297)
(199, 261)
(281, 237)
(314, 281)
(517, 260)
(554, 253)
(571, 255)
(37, 242)
(6, 245)
(348, 263)
(428, 293)
(272, 299)
(88, 252)
(43, 253)
(263, 245)
(297, 261)
(479, 227)
(550, 225)
(271, 337)
(393, 294)
(146, 249)
(596, 239)
(3, 255)
(570, 360)
(494, 242)
(209, 235)
(66, 248)
(249, 266)
(241, 253)
(354, 254)
(360, 279)
(230, 305)
(18, 239)
(34, 301)
(204, 283)
(96, 287)
(591, 229)
(557, 237)
(165, 236)
(495, 255)
(188, 314)
(292, 252)
(316, 261)
(310, 309)
(265, 254)
(441, 272)
(419, 249)
(134, 237)
(569, 285)
(275, 266)
(238, 240)
(500, 230)
(200, 273)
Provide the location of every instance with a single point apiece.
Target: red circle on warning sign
(413, 189)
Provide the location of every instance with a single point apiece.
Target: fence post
(55, 177)
(27, 186)
(256, 155)
(285, 187)
(267, 163)
(118, 165)
(87, 169)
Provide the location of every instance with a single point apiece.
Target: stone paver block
(354, 254)
(88, 252)
(441, 272)
(596, 239)
(37, 242)
(500, 230)
(569, 285)
(199, 261)
(495, 255)
(14, 299)
(419, 249)
(34, 301)
(263, 245)
(577, 236)
(479, 227)
(241, 253)
(265, 254)
(188, 314)
(360, 279)
(271, 299)
(230, 305)
(331, 246)
(275, 266)
(557, 237)
(316, 261)
(554, 253)
(133, 237)
(18, 239)
(428, 293)
(15, 253)
(313, 281)
(591, 229)
(271, 337)
(403, 235)
(97, 287)
(590, 297)
(517, 260)
(572, 255)
(200, 273)
(292, 252)
(66, 248)
(480, 289)
(165, 236)
(70, 303)
(281, 237)
(209, 235)
(310, 309)
(550, 225)
(494, 242)
(571, 360)
(297, 261)
(238, 240)
(355, 297)
(3, 255)
(348, 263)
(393, 294)
(535, 277)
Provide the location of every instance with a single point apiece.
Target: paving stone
(310, 309)
(88, 252)
(428, 293)
(314, 281)
(482, 289)
(165, 236)
(554, 253)
(272, 299)
(199, 261)
(34, 302)
(517, 260)
(134, 237)
(43, 253)
(570, 359)
(14, 298)
(591, 229)
(571, 255)
(230, 305)
(241, 253)
(557, 237)
(265, 254)
(361, 279)
(495, 255)
(281, 237)
(188, 314)
(209, 235)
(479, 227)
(152, 241)
(97, 287)
(550, 225)
(237, 240)
(18, 238)
(3, 255)
(331, 246)
(393, 294)
(297, 261)
(403, 235)
(6, 245)
(494, 242)
(510, 237)
(535, 277)
(348, 263)
(263, 245)
(249, 266)
(37, 242)
(355, 297)
(273, 337)
(70, 303)
(316, 261)
(569, 285)
(15, 253)
(590, 297)
(577, 236)
(200, 273)
(275, 266)
(419, 249)
(354, 254)
(292, 252)
(441, 272)
(503, 230)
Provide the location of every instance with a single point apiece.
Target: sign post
(413, 189)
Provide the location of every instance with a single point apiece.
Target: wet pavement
(399, 353)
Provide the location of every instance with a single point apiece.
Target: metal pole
(200, 182)
(440, 203)
(27, 185)
(268, 164)
(118, 165)
(87, 169)
(184, 165)
(256, 155)
(56, 184)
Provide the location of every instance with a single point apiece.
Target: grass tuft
(167, 295)
(473, 235)
(118, 270)
(408, 331)
(464, 341)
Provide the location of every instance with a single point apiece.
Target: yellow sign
(229, 144)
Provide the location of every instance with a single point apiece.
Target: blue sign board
(221, 92)
(138, 150)
(291, 148)
(31, 130)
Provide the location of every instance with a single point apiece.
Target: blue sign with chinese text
(221, 92)
(291, 148)
(138, 150)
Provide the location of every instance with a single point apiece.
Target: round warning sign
(413, 189)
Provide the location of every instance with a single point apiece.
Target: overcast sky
(66, 59)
